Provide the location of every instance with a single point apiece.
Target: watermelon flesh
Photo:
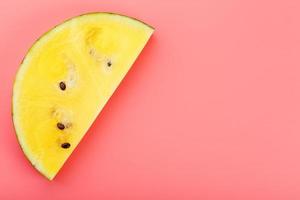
(66, 79)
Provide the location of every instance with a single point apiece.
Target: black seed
(62, 85)
(65, 145)
(60, 126)
(109, 64)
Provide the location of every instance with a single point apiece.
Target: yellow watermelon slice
(66, 79)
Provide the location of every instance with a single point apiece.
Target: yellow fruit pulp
(89, 55)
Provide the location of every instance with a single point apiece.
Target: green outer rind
(44, 34)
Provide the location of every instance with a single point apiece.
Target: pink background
(210, 110)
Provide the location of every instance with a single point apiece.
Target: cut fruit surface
(66, 79)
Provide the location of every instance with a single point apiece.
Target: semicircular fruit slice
(65, 80)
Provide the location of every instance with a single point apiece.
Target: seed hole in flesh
(62, 85)
(65, 145)
(68, 125)
(92, 52)
(60, 126)
(109, 63)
